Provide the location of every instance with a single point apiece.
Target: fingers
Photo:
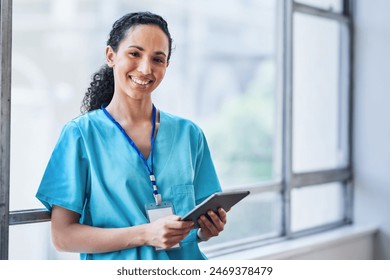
(168, 231)
(170, 241)
(174, 228)
(174, 222)
(218, 220)
(222, 215)
(215, 224)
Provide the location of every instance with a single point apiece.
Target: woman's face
(140, 62)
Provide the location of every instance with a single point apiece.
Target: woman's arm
(71, 236)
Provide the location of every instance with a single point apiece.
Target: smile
(139, 81)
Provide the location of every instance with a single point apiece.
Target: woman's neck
(130, 111)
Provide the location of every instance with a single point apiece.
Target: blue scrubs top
(95, 172)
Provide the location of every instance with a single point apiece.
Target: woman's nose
(144, 66)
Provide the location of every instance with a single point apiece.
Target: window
(275, 109)
(319, 94)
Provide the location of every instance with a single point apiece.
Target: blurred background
(285, 92)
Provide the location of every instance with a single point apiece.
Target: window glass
(227, 85)
(33, 242)
(55, 50)
(320, 107)
(316, 205)
(331, 5)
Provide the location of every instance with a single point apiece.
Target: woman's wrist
(144, 234)
(136, 236)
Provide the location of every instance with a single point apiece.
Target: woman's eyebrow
(137, 47)
(142, 49)
(160, 53)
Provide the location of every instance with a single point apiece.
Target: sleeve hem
(49, 202)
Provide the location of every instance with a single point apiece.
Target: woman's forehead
(146, 35)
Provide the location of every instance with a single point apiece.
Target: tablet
(225, 200)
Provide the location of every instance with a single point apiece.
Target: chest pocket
(183, 197)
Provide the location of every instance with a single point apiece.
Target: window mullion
(307, 9)
(287, 97)
(320, 177)
(349, 195)
(5, 112)
(29, 216)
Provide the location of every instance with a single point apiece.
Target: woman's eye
(135, 54)
(159, 60)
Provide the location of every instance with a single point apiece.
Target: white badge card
(156, 212)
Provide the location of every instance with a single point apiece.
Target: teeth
(138, 81)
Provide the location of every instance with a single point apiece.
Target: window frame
(5, 121)
(305, 179)
(289, 180)
(343, 175)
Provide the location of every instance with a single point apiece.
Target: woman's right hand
(167, 232)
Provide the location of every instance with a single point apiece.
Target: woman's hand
(167, 232)
(213, 226)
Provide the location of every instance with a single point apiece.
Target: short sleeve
(65, 180)
(205, 180)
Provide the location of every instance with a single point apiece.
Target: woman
(123, 173)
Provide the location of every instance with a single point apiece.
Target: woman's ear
(110, 56)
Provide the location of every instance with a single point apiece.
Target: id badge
(156, 212)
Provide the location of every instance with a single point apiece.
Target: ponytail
(100, 90)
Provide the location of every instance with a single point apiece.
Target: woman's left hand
(213, 226)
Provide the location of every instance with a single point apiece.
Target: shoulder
(80, 126)
(84, 121)
(181, 123)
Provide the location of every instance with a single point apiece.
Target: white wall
(372, 120)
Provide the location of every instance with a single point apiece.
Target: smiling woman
(108, 163)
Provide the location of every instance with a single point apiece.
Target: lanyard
(152, 178)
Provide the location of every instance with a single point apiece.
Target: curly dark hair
(101, 88)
